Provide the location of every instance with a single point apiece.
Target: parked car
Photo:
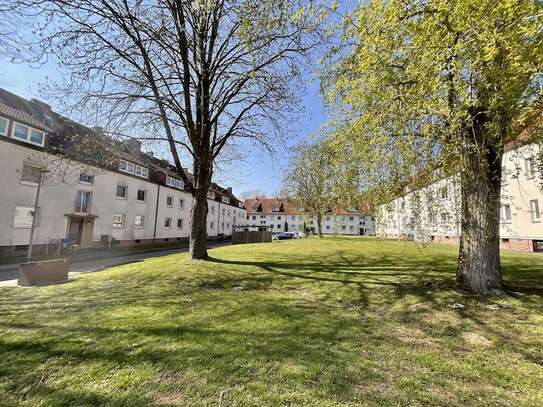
(275, 235)
(285, 236)
(300, 235)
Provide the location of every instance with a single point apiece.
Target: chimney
(229, 189)
(133, 145)
(150, 153)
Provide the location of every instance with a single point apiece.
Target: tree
(441, 84)
(311, 180)
(191, 74)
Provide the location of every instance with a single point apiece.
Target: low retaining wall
(43, 272)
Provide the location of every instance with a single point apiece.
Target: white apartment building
(282, 215)
(131, 198)
(432, 213)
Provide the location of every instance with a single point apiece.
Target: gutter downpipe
(156, 212)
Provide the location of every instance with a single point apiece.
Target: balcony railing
(82, 206)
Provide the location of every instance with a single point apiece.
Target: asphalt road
(9, 277)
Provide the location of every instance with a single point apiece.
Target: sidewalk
(97, 260)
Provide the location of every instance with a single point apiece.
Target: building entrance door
(74, 230)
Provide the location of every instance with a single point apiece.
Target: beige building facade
(432, 213)
(138, 200)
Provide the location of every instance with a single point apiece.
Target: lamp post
(34, 215)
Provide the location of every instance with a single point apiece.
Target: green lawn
(338, 321)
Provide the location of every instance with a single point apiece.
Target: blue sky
(257, 171)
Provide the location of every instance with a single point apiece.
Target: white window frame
(82, 174)
(225, 199)
(28, 224)
(180, 227)
(535, 211)
(169, 221)
(26, 182)
(144, 195)
(142, 223)
(116, 223)
(5, 131)
(529, 167)
(505, 213)
(175, 182)
(181, 203)
(28, 138)
(125, 191)
(169, 198)
(79, 202)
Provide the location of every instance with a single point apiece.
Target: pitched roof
(81, 143)
(291, 207)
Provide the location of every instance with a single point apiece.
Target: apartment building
(282, 215)
(93, 190)
(433, 213)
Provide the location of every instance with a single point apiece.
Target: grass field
(338, 321)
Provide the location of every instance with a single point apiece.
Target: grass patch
(337, 321)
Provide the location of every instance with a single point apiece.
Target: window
(211, 195)
(180, 223)
(402, 205)
(444, 193)
(211, 225)
(351, 218)
(28, 134)
(23, 217)
(432, 217)
(122, 191)
(139, 221)
(86, 179)
(254, 217)
(142, 195)
(262, 216)
(327, 227)
(142, 171)
(351, 228)
(293, 218)
(534, 210)
(225, 199)
(328, 218)
(131, 168)
(530, 168)
(279, 218)
(506, 213)
(83, 202)
(168, 223)
(30, 174)
(174, 182)
(343, 227)
(169, 201)
(118, 221)
(278, 226)
(222, 226)
(3, 126)
(444, 217)
(181, 203)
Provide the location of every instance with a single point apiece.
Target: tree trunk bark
(479, 269)
(198, 228)
(319, 226)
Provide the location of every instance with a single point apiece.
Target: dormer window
(27, 134)
(211, 195)
(135, 169)
(240, 204)
(225, 199)
(174, 182)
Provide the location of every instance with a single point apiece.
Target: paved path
(8, 278)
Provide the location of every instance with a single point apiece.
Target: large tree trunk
(198, 228)
(480, 179)
(319, 225)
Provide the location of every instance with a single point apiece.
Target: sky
(258, 170)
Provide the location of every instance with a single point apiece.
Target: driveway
(8, 278)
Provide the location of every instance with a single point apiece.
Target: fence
(244, 234)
